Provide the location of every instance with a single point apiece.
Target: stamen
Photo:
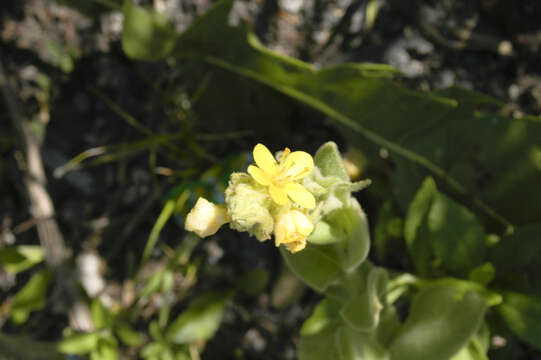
(285, 153)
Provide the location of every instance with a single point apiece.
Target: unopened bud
(206, 218)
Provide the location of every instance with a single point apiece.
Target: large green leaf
(199, 321)
(356, 345)
(464, 149)
(523, 315)
(314, 265)
(440, 323)
(438, 227)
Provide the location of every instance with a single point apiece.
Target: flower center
(286, 173)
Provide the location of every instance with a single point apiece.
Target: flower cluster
(270, 200)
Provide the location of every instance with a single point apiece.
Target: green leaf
(325, 313)
(106, 350)
(350, 227)
(80, 343)
(483, 274)
(314, 266)
(437, 226)
(128, 335)
(101, 317)
(440, 323)
(355, 345)
(477, 348)
(329, 161)
(147, 35)
(416, 226)
(320, 346)
(199, 321)
(31, 297)
(254, 281)
(165, 215)
(522, 314)
(20, 258)
(362, 312)
(456, 234)
(445, 135)
(491, 298)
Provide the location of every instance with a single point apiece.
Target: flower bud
(291, 228)
(249, 205)
(206, 218)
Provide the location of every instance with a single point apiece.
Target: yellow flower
(292, 228)
(280, 178)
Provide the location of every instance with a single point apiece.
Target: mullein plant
(285, 196)
(306, 203)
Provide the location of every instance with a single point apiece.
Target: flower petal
(264, 159)
(259, 175)
(296, 246)
(278, 194)
(300, 195)
(300, 160)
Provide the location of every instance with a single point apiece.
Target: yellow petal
(303, 225)
(296, 246)
(264, 159)
(299, 161)
(279, 195)
(259, 175)
(300, 195)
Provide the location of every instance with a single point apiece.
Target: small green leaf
(523, 315)
(254, 281)
(31, 297)
(325, 313)
(440, 323)
(199, 321)
(127, 335)
(80, 343)
(20, 258)
(483, 274)
(101, 316)
(329, 161)
(147, 35)
(106, 350)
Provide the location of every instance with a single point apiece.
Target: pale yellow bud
(291, 228)
(206, 218)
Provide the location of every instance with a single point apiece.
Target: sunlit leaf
(199, 321)
(31, 297)
(440, 323)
